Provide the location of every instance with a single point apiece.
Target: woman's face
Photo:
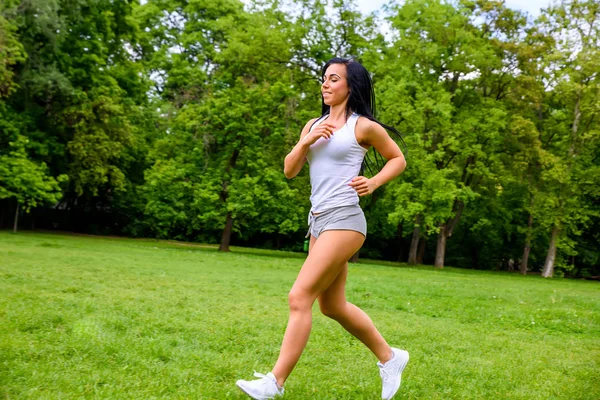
(335, 88)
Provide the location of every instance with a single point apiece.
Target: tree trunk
(226, 237)
(441, 247)
(354, 258)
(446, 231)
(414, 243)
(16, 219)
(548, 270)
(421, 252)
(527, 249)
(400, 253)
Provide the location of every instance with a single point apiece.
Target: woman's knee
(299, 300)
(332, 310)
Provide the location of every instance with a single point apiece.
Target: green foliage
(11, 53)
(169, 194)
(172, 118)
(26, 181)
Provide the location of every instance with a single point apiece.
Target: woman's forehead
(336, 69)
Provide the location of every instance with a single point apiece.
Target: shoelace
(265, 380)
(384, 374)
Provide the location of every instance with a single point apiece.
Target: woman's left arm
(375, 135)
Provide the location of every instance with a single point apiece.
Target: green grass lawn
(89, 317)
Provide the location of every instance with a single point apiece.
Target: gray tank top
(333, 164)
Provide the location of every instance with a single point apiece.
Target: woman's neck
(338, 112)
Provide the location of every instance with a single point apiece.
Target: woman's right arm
(296, 158)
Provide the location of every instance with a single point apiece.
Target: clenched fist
(363, 186)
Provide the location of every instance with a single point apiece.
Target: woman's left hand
(363, 186)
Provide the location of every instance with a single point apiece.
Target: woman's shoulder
(366, 126)
(312, 121)
(309, 125)
(368, 132)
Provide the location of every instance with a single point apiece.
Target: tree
(26, 181)
(571, 129)
(82, 94)
(452, 73)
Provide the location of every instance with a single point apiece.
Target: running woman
(335, 145)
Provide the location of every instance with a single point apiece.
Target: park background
(171, 119)
(160, 128)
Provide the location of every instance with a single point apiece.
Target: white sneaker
(261, 389)
(391, 373)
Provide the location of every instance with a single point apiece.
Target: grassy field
(89, 317)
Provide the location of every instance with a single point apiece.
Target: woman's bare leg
(326, 258)
(334, 305)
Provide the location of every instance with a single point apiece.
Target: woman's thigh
(327, 257)
(335, 295)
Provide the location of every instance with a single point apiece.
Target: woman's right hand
(323, 130)
(297, 157)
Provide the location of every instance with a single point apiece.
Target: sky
(531, 6)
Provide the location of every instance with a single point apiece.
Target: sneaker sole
(255, 397)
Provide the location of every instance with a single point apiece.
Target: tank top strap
(352, 121)
(318, 121)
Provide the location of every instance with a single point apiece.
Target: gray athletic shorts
(347, 218)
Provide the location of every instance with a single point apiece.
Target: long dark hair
(362, 102)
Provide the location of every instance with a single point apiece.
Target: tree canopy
(171, 119)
